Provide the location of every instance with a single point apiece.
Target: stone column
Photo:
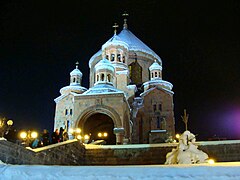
(119, 132)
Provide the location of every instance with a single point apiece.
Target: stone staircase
(65, 153)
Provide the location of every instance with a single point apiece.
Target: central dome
(133, 43)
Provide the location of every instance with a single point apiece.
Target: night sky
(198, 42)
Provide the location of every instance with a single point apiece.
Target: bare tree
(185, 119)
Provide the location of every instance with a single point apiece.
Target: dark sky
(198, 42)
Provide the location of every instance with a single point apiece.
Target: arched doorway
(100, 123)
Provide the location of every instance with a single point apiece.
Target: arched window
(155, 74)
(107, 57)
(74, 79)
(109, 78)
(123, 59)
(112, 57)
(70, 111)
(102, 77)
(66, 112)
(119, 57)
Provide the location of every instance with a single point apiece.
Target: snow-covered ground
(218, 171)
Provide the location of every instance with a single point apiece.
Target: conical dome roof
(76, 72)
(155, 66)
(115, 40)
(136, 44)
(104, 64)
(132, 42)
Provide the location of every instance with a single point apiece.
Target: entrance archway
(100, 123)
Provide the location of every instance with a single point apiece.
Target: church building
(127, 99)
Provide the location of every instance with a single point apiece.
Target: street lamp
(75, 133)
(5, 126)
(28, 136)
(102, 135)
(86, 138)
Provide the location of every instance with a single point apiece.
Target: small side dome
(76, 72)
(155, 66)
(104, 64)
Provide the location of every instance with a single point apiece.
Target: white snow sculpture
(186, 152)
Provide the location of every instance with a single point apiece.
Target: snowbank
(2, 139)
(218, 171)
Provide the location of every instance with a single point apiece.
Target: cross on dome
(115, 26)
(125, 15)
(77, 63)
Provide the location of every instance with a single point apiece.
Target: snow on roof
(76, 72)
(72, 88)
(155, 66)
(133, 43)
(104, 64)
(136, 44)
(102, 89)
(94, 56)
(115, 40)
(166, 85)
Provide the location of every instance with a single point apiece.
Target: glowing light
(177, 136)
(34, 134)
(23, 135)
(99, 134)
(105, 134)
(71, 130)
(10, 122)
(86, 137)
(78, 130)
(79, 137)
(211, 161)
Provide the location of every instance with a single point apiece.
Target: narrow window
(119, 58)
(102, 77)
(159, 74)
(112, 57)
(97, 77)
(155, 74)
(160, 107)
(109, 78)
(158, 122)
(74, 79)
(70, 111)
(123, 59)
(66, 112)
(154, 107)
(107, 57)
(68, 125)
(152, 75)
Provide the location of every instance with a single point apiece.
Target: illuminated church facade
(127, 97)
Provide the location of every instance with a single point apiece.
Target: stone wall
(66, 153)
(72, 152)
(220, 151)
(126, 154)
